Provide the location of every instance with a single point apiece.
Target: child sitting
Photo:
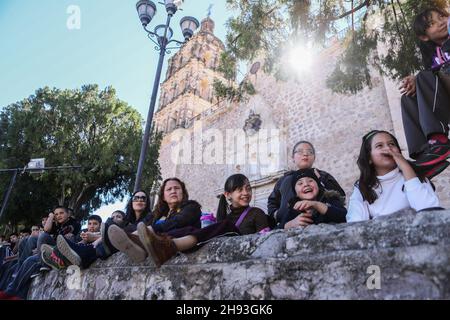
(387, 182)
(425, 103)
(312, 204)
(92, 232)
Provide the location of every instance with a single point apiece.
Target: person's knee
(424, 76)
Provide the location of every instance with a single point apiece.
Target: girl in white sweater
(387, 182)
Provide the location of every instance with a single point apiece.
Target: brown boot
(160, 248)
(127, 243)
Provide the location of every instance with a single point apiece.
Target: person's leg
(78, 254)
(127, 243)
(434, 112)
(44, 238)
(434, 104)
(415, 138)
(10, 268)
(161, 247)
(27, 250)
(22, 280)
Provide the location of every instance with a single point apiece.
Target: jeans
(26, 249)
(21, 283)
(44, 238)
(88, 253)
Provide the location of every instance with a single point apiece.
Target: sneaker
(436, 169)
(44, 268)
(65, 249)
(126, 243)
(160, 248)
(433, 154)
(53, 258)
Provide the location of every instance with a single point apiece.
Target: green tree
(85, 127)
(268, 25)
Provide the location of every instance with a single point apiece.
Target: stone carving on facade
(253, 123)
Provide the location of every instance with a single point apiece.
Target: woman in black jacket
(173, 211)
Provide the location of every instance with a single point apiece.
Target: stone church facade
(206, 140)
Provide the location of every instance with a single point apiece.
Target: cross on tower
(210, 9)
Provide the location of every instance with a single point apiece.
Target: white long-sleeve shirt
(392, 198)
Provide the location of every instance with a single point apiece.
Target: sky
(110, 48)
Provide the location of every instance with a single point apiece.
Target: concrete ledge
(410, 249)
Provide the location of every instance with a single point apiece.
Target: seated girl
(303, 156)
(312, 204)
(387, 182)
(235, 216)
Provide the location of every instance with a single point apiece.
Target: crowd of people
(302, 197)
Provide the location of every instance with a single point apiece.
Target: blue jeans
(26, 248)
(88, 253)
(6, 271)
(44, 238)
(21, 283)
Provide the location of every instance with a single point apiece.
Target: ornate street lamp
(163, 33)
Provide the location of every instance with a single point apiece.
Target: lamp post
(163, 34)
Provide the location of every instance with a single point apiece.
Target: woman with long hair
(235, 216)
(388, 182)
(173, 211)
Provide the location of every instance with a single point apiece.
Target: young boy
(59, 222)
(92, 232)
(425, 102)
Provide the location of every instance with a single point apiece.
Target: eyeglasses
(35, 229)
(139, 198)
(308, 152)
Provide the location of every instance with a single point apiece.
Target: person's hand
(88, 236)
(396, 155)
(68, 236)
(302, 220)
(304, 205)
(96, 242)
(408, 86)
(404, 166)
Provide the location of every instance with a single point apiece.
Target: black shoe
(434, 154)
(430, 171)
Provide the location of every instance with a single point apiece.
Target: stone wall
(408, 251)
(302, 110)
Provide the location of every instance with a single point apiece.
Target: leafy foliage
(87, 127)
(266, 26)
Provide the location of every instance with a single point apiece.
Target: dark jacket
(70, 226)
(283, 192)
(255, 220)
(187, 215)
(335, 214)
